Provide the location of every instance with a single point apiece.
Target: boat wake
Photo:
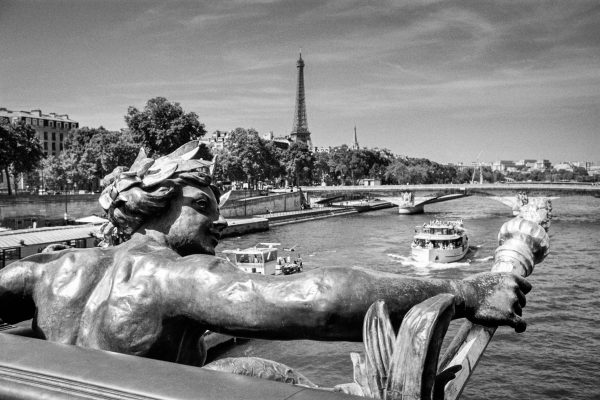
(472, 253)
(425, 268)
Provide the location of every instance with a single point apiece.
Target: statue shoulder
(201, 265)
(64, 257)
(67, 264)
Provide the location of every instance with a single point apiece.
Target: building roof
(34, 114)
(50, 235)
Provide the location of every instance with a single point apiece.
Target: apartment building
(51, 129)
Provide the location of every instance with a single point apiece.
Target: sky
(451, 81)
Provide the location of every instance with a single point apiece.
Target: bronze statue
(155, 293)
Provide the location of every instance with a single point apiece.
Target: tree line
(161, 126)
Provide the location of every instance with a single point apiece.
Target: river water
(557, 357)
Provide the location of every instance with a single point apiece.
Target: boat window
(9, 255)
(271, 255)
(243, 258)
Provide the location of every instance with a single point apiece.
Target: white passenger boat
(440, 242)
(261, 259)
(264, 259)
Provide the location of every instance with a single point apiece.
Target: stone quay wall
(19, 212)
(277, 202)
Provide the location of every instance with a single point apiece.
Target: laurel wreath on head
(146, 172)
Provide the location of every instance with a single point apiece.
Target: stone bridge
(412, 198)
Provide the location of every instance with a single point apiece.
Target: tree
(339, 163)
(79, 167)
(322, 169)
(163, 126)
(89, 154)
(20, 151)
(107, 150)
(247, 158)
(56, 170)
(299, 163)
(397, 172)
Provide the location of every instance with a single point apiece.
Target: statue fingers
(517, 323)
(522, 299)
(517, 309)
(524, 284)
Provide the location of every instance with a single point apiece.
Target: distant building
(564, 166)
(216, 140)
(582, 164)
(594, 170)
(460, 166)
(503, 165)
(51, 129)
(322, 149)
(525, 163)
(280, 142)
(542, 165)
(369, 182)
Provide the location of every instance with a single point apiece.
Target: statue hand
(496, 299)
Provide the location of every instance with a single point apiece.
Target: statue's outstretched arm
(325, 304)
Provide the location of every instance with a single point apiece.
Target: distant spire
(355, 145)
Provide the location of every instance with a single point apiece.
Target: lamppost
(67, 201)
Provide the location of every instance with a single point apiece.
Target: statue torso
(111, 299)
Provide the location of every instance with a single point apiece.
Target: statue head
(152, 193)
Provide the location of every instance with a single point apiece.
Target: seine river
(558, 357)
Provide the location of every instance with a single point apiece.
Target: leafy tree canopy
(163, 126)
(89, 154)
(20, 150)
(247, 157)
(299, 163)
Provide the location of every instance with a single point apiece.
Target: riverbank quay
(289, 217)
(262, 222)
(19, 243)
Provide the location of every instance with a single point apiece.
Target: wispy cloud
(425, 67)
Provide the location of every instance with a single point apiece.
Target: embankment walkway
(262, 222)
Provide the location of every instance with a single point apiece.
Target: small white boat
(263, 259)
(440, 242)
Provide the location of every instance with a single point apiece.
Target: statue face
(193, 224)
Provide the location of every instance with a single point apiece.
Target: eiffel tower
(300, 132)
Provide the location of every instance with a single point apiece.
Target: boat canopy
(437, 236)
(252, 255)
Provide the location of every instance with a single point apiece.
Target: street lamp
(67, 201)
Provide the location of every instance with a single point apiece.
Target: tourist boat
(264, 259)
(440, 242)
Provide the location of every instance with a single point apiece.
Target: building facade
(51, 129)
(503, 165)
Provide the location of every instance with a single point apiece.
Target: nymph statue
(157, 291)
